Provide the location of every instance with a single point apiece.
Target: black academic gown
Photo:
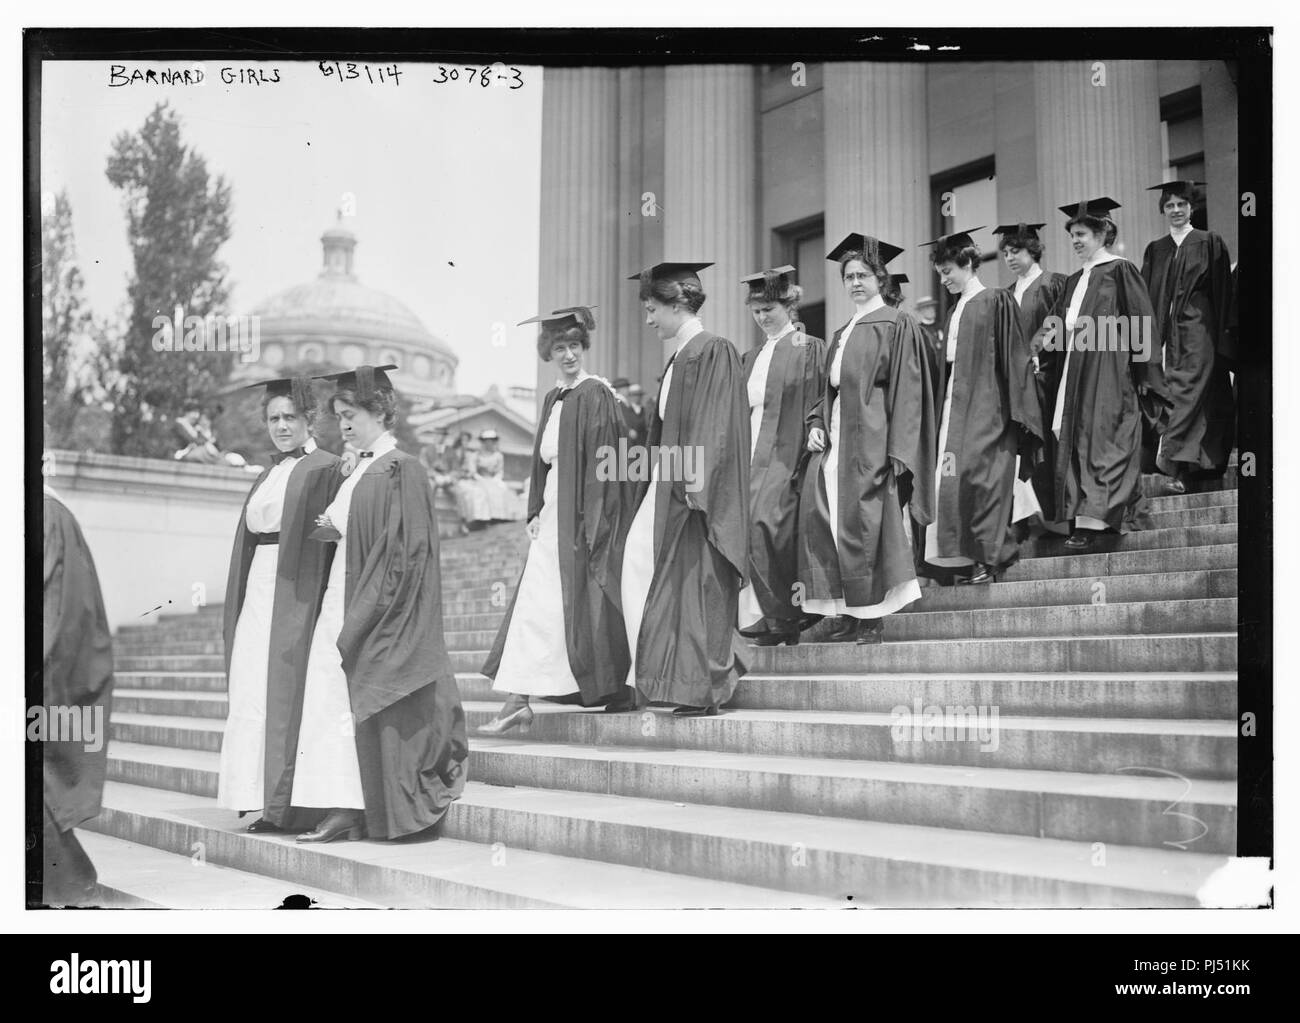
(1098, 456)
(1190, 288)
(795, 383)
(76, 672)
(687, 652)
(1036, 304)
(887, 411)
(994, 416)
(410, 726)
(301, 571)
(594, 516)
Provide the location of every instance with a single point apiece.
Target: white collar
(687, 331)
(876, 301)
(972, 287)
(1178, 234)
(310, 446)
(1099, 257)
(384, 443)
(582, 375)
(1029, 278)
(772, 339)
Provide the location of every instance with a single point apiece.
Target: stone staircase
(1108, 779)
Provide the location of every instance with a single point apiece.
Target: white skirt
(535, 658)
(897, 597)
(240, 785)
(639, 570)
(328, 773)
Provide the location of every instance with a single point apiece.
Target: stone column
(1098, 139)
(710, 200)
(877, 177)
(579, 199)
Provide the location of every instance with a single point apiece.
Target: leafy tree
(177, 220)
(67, 326)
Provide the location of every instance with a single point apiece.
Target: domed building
(337, 319)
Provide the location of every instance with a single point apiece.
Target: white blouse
(873, 303)
(266, 506)
(338, 509)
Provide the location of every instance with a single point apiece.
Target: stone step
(419, 872)
(1184, 652)
(1125, 808)
(1199, 696)
(196, 704)
(1173, 503)
(859, 863)
(165, 880)
(1146, 539)
(1195, 748)
(172, 681)
(1157, 562)
(1153, 483)
(1155, 617)
(1112, 589)
(1203, 515)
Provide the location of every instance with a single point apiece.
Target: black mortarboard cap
(1021, 230)
(1090, 208)
(1182, 189)
(899, 278)
(298, 388)
(959, 238)
(768, 284)
(570, 316)
(676, 272)
(363, 380)
(867, 245)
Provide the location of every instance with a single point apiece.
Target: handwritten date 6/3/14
(512, 77)
(375, 74)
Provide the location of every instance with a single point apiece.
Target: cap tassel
(365, 383)
(1022, 229)
(771, 285)
(873, 251)
(300, 388)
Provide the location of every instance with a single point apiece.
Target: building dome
(337, 319)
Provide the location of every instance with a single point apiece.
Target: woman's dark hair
(311, 411)
(548, 337)
(383, 406)
(789, 296)
(964, 256)
(684, 293)
(889, 291)
(1029, 242)
(1097, 225)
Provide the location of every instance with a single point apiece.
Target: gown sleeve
(719, 430)
(913, 418)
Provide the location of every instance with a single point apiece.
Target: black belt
(264, 539)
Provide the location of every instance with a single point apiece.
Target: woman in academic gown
(273, 595)
(382, 744)
(783, 378)
(687, 550)
(563, 636)
(1105, 387)
(870, 433)
(991, 424)
(77, 672)
(1188, 274)
(1036, 292)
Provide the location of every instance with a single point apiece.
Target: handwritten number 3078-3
(479, 76)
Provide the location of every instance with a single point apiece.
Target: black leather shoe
(623, 703)
(1080, 540)
(844, 630)
(870, 632)
(263, 825)
(696, 712)
(980, 576)
(349, 824)
(790, 638)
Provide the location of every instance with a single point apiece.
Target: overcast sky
(441, 174)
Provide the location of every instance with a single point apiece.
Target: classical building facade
(751, 166)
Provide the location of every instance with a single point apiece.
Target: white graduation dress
(241, 781)
(535, 656)
(328, 772)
